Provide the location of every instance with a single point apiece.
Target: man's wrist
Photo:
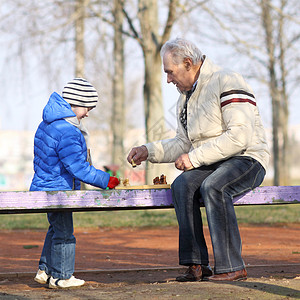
(146, 151)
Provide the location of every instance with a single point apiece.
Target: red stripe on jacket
(239, 100)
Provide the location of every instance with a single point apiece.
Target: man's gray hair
(181, 49)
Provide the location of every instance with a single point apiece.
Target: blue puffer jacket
(60, 152)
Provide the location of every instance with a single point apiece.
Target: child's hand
(113, 182)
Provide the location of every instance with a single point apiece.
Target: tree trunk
(284, 120)
(273, 86)
(280, 112)
(118, 110)
(79, 38)
(153, 102)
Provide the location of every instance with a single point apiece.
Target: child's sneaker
(41, 277)
(55, 283)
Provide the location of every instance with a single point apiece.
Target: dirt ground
(142, 264)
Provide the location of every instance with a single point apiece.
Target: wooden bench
(118, 199)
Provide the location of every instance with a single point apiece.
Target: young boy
(60, 163)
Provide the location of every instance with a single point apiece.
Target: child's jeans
(58, 255)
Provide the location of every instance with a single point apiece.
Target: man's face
(179, 75)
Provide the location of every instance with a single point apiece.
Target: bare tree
(144, 27)
(271, 47)
(52, 35)
(273, 85)
(146, 33)
(80, 13)
(118, 101)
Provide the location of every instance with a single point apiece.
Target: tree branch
(131, 26)
(110, 22)
(173, 4)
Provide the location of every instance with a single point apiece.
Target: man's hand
(138, 154)
(183, 163)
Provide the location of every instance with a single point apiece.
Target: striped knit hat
(80, 92)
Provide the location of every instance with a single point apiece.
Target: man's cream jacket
(222, 121)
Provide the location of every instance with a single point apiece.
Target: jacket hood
(56, 109)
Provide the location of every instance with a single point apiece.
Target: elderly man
(220, 146)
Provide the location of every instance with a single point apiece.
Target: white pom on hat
(80, 92)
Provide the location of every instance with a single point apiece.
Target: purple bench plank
(270, 195)
(28, 202)
(84, 200)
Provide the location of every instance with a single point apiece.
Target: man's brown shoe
(195, 273)
(231, 276)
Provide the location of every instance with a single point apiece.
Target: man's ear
(187, 63)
